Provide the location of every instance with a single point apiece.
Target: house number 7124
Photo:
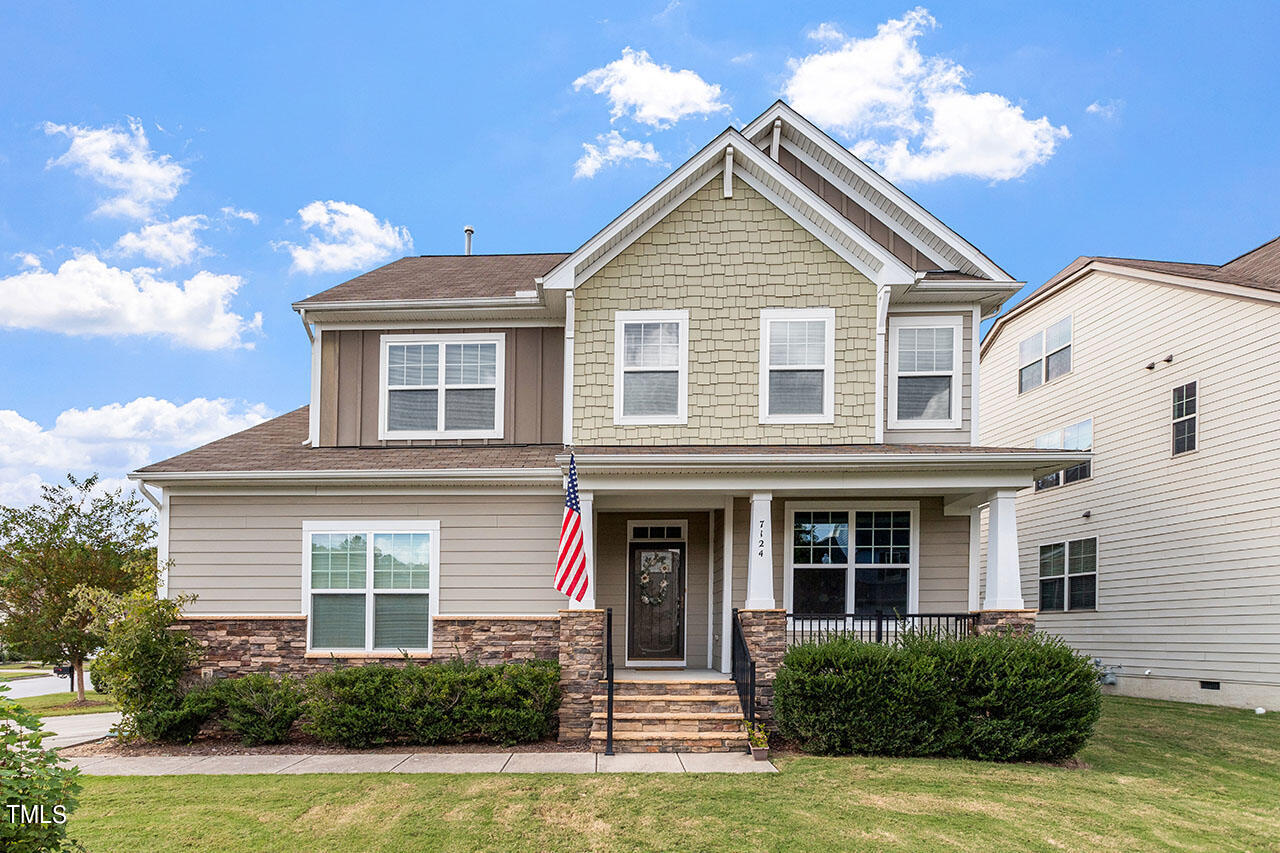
(760, 546)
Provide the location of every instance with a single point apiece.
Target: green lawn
(52, 704)
(1159, 776)
(9, 674)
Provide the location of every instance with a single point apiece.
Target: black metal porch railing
(876, 627)
(743, 670)
(608, 677)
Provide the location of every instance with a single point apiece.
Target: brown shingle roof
(1257, 268)
(442, 277)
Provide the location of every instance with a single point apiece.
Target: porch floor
(632, 673)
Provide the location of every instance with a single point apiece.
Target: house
(766, 369)
(1160, 556)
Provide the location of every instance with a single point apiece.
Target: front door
(655, 617)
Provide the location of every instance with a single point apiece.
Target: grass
(1159, 775)
(59, 704)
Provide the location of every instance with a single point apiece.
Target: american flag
(571, 562)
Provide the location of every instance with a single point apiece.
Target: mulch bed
(219, 743)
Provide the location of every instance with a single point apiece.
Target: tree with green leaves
(75, 537)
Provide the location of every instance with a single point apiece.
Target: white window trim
(1066, 575)
(369, 528)
(1172, 420)
(499, 416)
(679, 316)
(826, 315)
(684, 593)
(1043, 334)
(851, 507)
(954, 322)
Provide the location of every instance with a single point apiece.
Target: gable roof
(1256, 270)
(440, 277)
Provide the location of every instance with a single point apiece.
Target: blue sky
(246, 155)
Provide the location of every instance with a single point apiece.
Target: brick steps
(651, 715)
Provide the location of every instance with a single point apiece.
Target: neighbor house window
(651, 367)
(1044, 356)
(1184, 418)
(1075, 437)
(442, 386)
(924, 372)
(371, 587)
(797, 365)
(832, 574)
(1069, 575)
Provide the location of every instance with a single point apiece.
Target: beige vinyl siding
(938, 436)
(243, 555)
(1188, 546)
(349, 386)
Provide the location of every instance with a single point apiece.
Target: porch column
(588, 601)
(1004, 576)
(760, 561)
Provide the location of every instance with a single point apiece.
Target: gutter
(389, 304)
(458, 475)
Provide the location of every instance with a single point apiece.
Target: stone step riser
(672, 726)
(673, 708)
(671, 743)
(651, 688)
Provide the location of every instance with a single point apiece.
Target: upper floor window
(651, 367)
(1075, 437)
(797, 365)
(441, 386)
(1069, 575)
(1045, 355)
(1184, 418)
(924, 372)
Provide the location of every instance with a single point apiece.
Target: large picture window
(1045, 356)
(1069, 575)
(797, 364)
(651, 361)
(832, 572)
(442, 386)
(924, 372)
(371, 586)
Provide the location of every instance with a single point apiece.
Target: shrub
(437, 703)
(178, 717)
(32, 776)
(261, 709)
(994, 698)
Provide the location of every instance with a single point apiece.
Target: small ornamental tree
(74, 536)
(33, 779)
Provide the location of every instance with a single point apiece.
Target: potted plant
(758, 737)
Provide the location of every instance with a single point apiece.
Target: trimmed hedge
(261, 709)
(991, 698)
(450, 702)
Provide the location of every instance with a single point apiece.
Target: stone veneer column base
(766, 634)
(1005, 622)
(581, 669)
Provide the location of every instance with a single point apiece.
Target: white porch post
(588, 601)
(975, 557)
(1004, 577)
(760, 561)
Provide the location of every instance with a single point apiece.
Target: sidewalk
(78, 728)
(427, 762)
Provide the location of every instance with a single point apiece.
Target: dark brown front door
(656, 595)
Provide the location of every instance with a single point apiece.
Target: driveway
(38, 686)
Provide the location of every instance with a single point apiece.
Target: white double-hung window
(797, 365)
(651, 367)
(1045, 356)
(925, 372)
(441, 386)
(370, 586)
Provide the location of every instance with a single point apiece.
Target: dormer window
(441, 386)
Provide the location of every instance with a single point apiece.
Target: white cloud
(121, 160)
(167, 243)
(111, 440)
(1107, 108)
(826, 31)
(651, 94)
(911, 115)
(742, 58)
(236, 213)
(86, 296)
(345, 237)
(612, 149)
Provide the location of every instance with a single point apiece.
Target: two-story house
(1161, 556)
(766, 369)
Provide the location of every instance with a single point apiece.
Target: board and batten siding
(1188, 546)
(350, 386)
(243, 554)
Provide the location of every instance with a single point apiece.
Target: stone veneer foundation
(581, 669)
(1005, 622)
(766, 634)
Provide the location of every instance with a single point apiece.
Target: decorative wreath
(651, 593)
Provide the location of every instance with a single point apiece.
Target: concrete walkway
(78, 728)
(427, 762)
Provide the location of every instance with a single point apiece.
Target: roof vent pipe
(468, 230)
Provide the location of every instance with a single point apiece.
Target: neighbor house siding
(724, 260)
(938, 436)
(243, 555)
(350, 386)
(1188, 546)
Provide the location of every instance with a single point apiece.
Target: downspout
(882, 335)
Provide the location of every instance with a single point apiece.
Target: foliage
(75, 536)
(757, 734)
(261, 709)
(179, 716)
(31, 775)
(142, 662)
(994, 698)
(436, 703)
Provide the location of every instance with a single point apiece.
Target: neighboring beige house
(1162, 555)
(766, 368)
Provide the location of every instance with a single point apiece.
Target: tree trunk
(78, 669)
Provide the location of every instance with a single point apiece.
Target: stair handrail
(608, 676)
(743, 670)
